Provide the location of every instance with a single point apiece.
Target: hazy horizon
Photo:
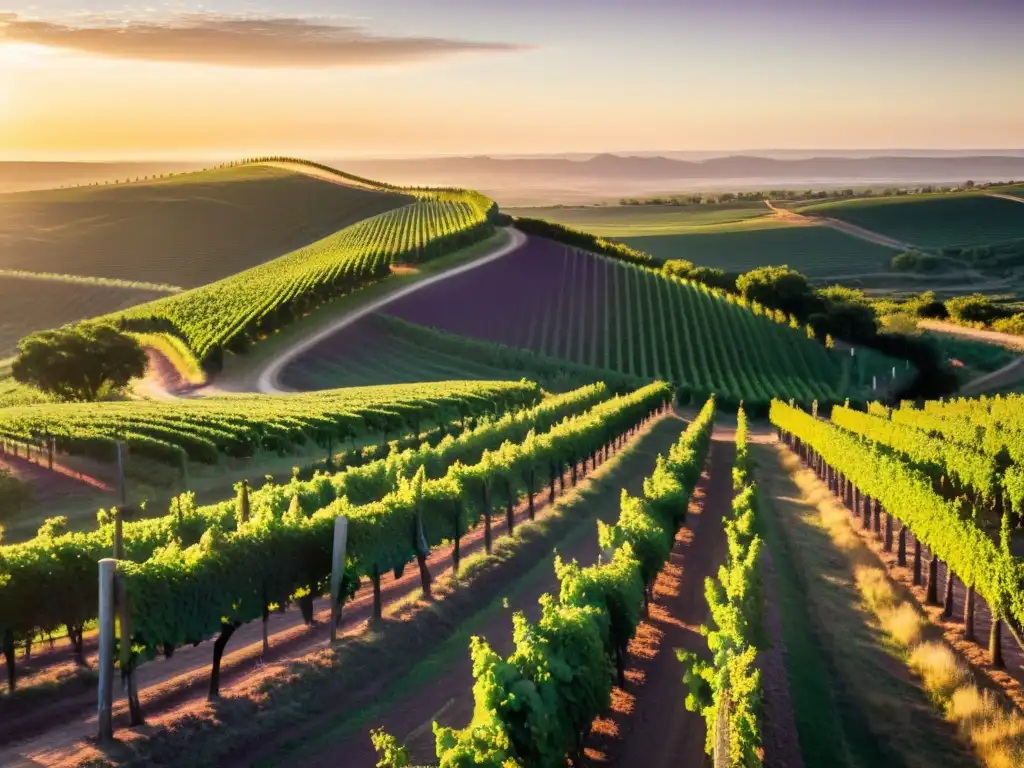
(376, 79)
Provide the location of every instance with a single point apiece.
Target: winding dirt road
(268, 382)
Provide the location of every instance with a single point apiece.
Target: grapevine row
(185, 595)
(535, 707)
(230, 314)
(242, 425)
(728, 688)
(878, 482)
(65, 565)
(939, 459)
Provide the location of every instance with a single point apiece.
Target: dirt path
(675, 617)
(845, 227)
(58, 481)
(162, 380)
(1008, 340)
(175, 687)
(651, 726)
(1008, 376)
(320, 173)
(268, 378)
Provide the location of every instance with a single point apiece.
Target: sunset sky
(99, 79)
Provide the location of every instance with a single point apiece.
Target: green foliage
(677, 267)
(243, 425)
(580, 239)
(908, 494)
(390, 753)
(534, 708)
(233, 313)
(975, 308)
(730, 685)
(296, 517)
(780, 288)
(79, 362)
(182, 594)
(971, 470)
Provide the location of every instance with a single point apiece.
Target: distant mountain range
(583, 178)
(661, 168)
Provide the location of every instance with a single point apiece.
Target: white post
(337, 569)
(874, 382)
(106, 660)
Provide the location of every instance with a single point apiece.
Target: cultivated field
(568, 304)
(295, 570)
(30, 304)
(621, 221)
(932, 221)
(185, 230)
(820, 253)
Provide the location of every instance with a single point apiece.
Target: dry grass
(995, 733)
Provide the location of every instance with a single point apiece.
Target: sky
(109, 79)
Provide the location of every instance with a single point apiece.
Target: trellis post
(337, 570)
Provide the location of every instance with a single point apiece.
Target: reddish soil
(649, 724)
(162, 380)
(60, 482)
(655, 674)
(171, 688)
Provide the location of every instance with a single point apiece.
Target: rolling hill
(932, 221)
(184, 230)
(590, 310)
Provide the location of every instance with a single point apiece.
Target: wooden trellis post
(337, 571)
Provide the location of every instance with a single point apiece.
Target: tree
(716, 278)
(677, 267)
(79, 362)
(973, 309)
(780, 288)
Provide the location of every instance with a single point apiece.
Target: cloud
(238, 41)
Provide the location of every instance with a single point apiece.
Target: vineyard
(199, 564)
(932, 221)
(244, 425)
(381, 349)
(232, 313)
(938, 476)
(184, 230)
(602, 313)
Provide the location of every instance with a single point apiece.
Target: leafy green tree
(975, 308)
(79, 362)
(780, 288)
(677, 267)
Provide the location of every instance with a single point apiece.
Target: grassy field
(819, 252)
(620, 221)
(29, 304)
(932, 221)
(184, 230)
